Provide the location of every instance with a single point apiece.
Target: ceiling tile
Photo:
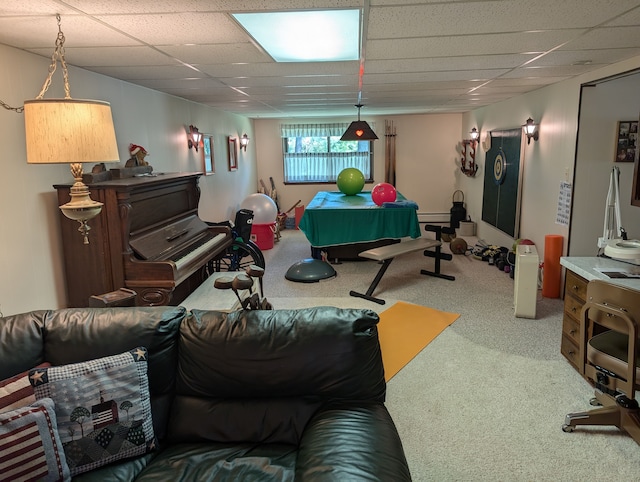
(113, 56)
(420, 56)
(184, 28)
(464, 45)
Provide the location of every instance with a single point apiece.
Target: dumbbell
(256, 271)
(242, 282)
(226, 283)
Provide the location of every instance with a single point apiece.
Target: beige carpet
(486, 399)
(405, 329)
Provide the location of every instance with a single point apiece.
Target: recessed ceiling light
(307, 36)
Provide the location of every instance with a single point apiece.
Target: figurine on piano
(138, 153)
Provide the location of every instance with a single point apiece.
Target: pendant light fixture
(359, 130)
(70, 131)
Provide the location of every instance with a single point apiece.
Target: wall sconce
(244, 142)
(194, 137)
(70, 131)
(471, 168)
(531, 130)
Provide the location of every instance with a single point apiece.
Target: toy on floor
(242, 282)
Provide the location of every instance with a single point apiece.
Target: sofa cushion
(21, 342)
(75, 335)
(272, 420)
(211, 462)
(102, 407)
(30, 447)
(16, 392)
(259, 376)
(329, 352)
(352, 441)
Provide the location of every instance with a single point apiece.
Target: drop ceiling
(422, 56)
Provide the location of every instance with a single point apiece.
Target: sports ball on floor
(263, 207)
(458, 246)
(350, 181)
(520, 241)
(383, 193)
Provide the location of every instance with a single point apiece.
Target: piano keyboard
(199, 250)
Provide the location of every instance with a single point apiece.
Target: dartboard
(499, 167)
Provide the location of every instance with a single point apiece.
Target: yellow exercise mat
(405, 329)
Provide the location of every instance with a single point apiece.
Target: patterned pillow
(30, 447)
(16, 392)
(102, 407)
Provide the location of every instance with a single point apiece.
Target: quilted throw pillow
(102, 407)
(16, 392)
(30, 447)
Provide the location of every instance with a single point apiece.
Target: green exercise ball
(350, 181)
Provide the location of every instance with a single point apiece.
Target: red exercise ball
(383, 193)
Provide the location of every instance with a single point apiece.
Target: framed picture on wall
(233, 154)
(626, 141)
(208, 164)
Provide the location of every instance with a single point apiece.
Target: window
(314, 153)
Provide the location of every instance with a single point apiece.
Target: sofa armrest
(351, 441)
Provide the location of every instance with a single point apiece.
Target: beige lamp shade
(69, 131)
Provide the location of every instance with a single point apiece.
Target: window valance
(314, 130)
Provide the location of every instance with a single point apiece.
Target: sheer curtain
(321, 166)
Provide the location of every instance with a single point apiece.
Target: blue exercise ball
(350, 181)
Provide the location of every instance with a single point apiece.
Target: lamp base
(81, 208)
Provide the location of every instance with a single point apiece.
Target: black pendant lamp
(359, 130)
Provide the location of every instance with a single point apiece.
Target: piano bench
(121, 297)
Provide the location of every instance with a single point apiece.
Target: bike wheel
(258, 252)
(238, 256)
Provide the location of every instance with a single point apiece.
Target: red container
(299, 213)
(263, 234)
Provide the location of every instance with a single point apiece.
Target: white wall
(602, 107)
(427, 152)
(426, 170)
(428, 158)
(547, 163)
(31, 255)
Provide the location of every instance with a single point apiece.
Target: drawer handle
(572, 353)
(573, 309)
(572, 332)
(575, 287)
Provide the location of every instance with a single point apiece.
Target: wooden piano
(147, 238)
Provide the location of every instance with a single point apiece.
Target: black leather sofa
(259, 395)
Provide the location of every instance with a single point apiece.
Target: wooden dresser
(579, 271)
(575, 291)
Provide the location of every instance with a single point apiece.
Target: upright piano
(147, 238)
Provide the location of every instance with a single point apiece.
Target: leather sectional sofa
(252, 396)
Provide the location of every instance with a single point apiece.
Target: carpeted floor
(486, 399)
